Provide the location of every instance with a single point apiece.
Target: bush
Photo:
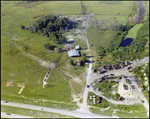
(56, 50)
(22, 27)
(47, 46)
(117, 95)
(71, 62)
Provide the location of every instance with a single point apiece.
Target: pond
(126, 42)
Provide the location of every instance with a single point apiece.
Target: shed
(73, 53)
(77, 47)
(78, 62)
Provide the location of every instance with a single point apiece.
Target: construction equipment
(120, 98)
(111, 81)
(142, 101)
(130, 70)
(132, 86)
(129, 67)
(127, 80)
(123, 76)
(119, 77)
(142, 87)
(112, 74)
(147, 95)
(124, 86)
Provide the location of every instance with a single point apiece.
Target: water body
(126, 42)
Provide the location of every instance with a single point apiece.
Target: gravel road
(132, 96)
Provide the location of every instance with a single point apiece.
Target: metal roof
(72, 53)
(77, 47)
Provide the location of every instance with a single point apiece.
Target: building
(77, 47)
(78, 62)
(73, 53)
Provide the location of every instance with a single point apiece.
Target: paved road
(60, 111)
(3, 115)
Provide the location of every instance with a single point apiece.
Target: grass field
(17, 68)
(128, 111)
(99, 7)
(33, 113)
(132, 31)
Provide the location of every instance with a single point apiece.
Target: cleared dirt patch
(9, 84)
(22, 87)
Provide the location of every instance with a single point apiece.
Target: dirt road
(83, 106)
(131, 96)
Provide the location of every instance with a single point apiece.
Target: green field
(128, 111)
(17, 68)
(132, 31)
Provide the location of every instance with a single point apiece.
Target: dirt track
(131, 96)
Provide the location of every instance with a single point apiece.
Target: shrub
(22, 27)
(56, 49)
(47, 46)
(71, 62)
(117, 95)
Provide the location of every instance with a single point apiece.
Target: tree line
(51, 26)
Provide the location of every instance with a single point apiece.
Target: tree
(48, 46)
(22, 27)
(117, 95)
(84, 54)
(101, 51)
(71, 62)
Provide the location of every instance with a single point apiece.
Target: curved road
(60, 111)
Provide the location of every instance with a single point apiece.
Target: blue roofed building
(73, 53)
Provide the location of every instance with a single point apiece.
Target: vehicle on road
(8, 114)
(88, 86)
(5, 101)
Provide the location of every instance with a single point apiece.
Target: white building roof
(77, 47)
(73, 53)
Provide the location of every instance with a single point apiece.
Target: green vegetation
(105, 87)
(103, 103)
(122, 111)
(98, 39)
(51, 26)
(133, 31)
(143, 31)
(107, 7)
(141, 78)
(33, 113)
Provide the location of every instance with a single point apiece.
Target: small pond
(126, 42)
